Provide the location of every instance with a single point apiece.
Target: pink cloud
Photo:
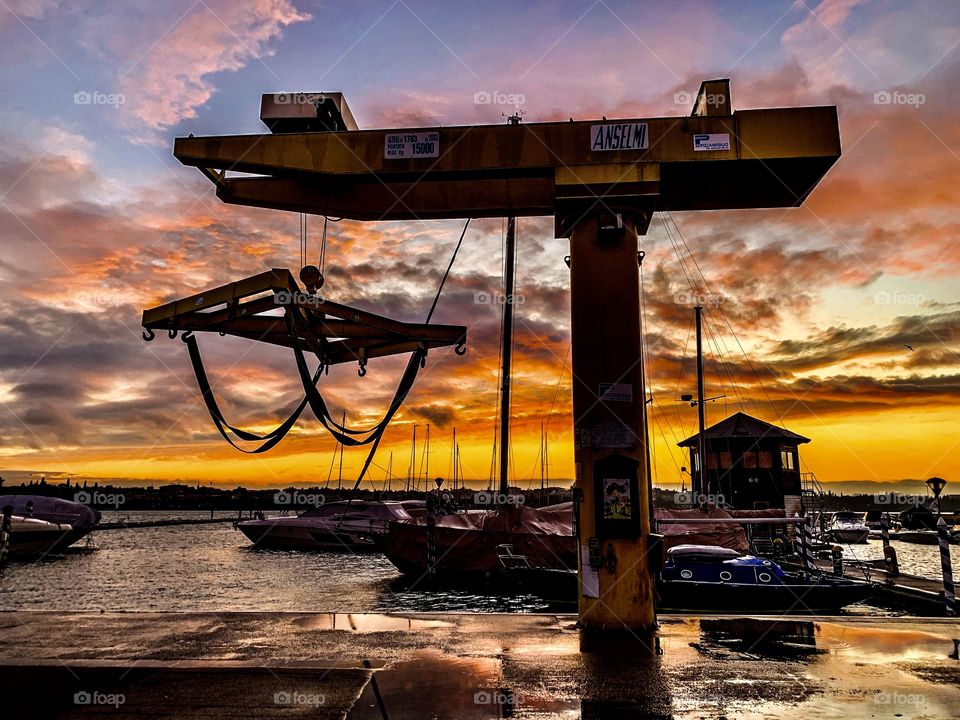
(172, 79)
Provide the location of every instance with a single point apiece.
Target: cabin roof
(741, 425)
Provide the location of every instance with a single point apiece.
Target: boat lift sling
(601, 180)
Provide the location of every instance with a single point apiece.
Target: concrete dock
(466, 666)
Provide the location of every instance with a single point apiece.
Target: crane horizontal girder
(769, 158)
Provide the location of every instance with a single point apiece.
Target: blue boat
(716, 579)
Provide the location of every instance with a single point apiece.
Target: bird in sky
(910, 348)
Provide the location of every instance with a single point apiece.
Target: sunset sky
(842, 317)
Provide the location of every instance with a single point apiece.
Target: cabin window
(749, 459)
(765, 459)
(788, 459)
(711, 461)
(726, 460)
(695, 460)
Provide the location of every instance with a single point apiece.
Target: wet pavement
(471, 666)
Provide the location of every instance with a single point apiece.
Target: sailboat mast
(701, 438)
(343, 423)
(507, 341)
(454, 459)
(413, 461)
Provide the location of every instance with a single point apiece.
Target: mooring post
(949, 598)
(616, 586)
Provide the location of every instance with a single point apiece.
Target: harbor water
(213, 568)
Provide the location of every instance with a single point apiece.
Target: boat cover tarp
(51, 509)
(726, 535)
(467, 542)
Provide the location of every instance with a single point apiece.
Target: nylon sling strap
(269, 439)
(319, 407)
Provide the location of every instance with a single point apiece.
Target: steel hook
(362, 370)
(149, 335)
(171, 334)
(461, 349)
(187, 335)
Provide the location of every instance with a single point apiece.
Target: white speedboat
(32, 538)
(848, 528)
(334, 526)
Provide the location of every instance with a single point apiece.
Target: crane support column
(616, 587)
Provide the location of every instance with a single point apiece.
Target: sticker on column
(616, 392)
(589, 576)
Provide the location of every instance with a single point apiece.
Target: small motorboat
(711, 578)
(34, 538)
(847, 528)
(344, 525)
(924, 537)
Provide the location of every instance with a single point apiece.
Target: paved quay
(471, 666)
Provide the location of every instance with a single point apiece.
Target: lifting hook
(148, 335)
(362, 362)
(171, 334)
(362, 370)
(187, 335)
(461, 349)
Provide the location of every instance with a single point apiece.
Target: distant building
(751, 463)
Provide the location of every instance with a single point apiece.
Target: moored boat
(343, 525)
(710, 578)
(847, 528)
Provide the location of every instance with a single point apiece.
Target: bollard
(885, 530)
(837, 553)
(890, 560)
(807, 533)
(949, 599)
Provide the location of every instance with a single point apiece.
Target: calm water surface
(213, 568)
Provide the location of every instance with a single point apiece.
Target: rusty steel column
(613, 523)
